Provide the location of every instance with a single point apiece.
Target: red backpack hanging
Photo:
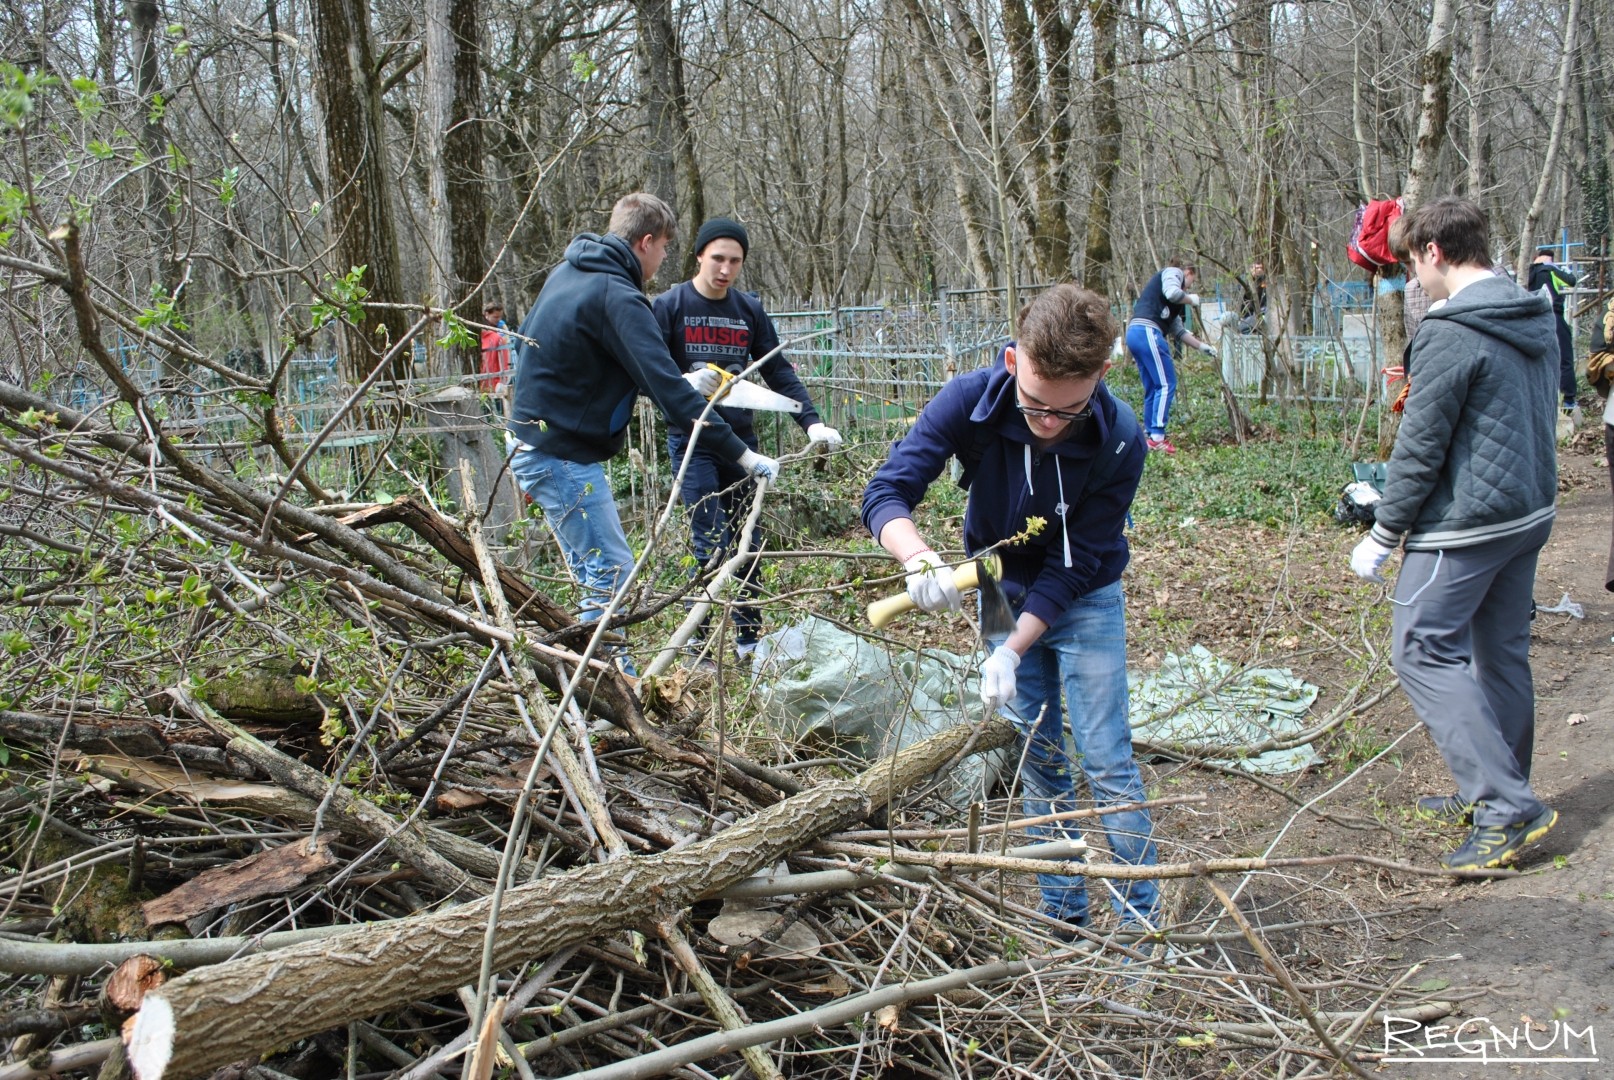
(1369, 246)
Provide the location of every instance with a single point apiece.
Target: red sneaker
(1161, 444)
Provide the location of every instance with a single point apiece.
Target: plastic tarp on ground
(827, 686)
(1198, 697)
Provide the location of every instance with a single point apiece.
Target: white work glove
(823, 433)
(1368, 558)
(763, 468)
(1207, 348)
(704, 380)
(997, 678)
(930, 583)
(1191, 299)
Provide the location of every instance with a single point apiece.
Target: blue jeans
(1083, 655)
(1152, 353)
(717, 493)
(577, 502)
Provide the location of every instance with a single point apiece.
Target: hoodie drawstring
(1061, 509)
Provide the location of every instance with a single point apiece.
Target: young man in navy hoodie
(587, 349)
(1042, 436)
(1471, 494)
(708, 320)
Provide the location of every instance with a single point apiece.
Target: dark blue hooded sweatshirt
(1082, 547)
(587, 348)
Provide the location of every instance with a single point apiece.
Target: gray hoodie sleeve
(1171, 287)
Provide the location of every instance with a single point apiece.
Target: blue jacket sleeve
(917, 458)
(635, 338)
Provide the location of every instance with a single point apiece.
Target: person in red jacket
(495, 350)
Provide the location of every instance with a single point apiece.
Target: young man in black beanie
(707, 320)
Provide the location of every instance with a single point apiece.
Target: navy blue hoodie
(1078, 551)
(587, 348)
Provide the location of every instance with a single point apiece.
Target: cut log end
(148, 1038)
(128, 986)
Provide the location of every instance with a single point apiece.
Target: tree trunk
(1031, 127)
(359, 212)
(291, 119)
(468, 188)
(243, 1008)
(451, 139)
(169, 271)
(456, 413)
(1549, 165)
(948, 95)
(670, 147)
(1099, 255)
(443, 285)
(1595, 179)
(1058, 51)
(1479, 143)
(1434, 70)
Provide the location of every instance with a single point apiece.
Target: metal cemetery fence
(870, 368)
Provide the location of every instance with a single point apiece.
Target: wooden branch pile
(294, 793)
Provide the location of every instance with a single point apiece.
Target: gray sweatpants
(1462, 650)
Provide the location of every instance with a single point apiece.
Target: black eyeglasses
(1057, 414)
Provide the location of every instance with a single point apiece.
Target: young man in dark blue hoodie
(587, 349)
(1041, 436)
(1471, 494)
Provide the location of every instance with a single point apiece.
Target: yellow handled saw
(739, 394)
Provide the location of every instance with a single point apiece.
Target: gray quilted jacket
(1475, 458)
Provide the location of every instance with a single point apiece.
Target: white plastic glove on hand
(763, 468)
(704, 380)
(997, 678)
(1207, 348)
(1368, 558)
(1191, 299)
(930, 583)
(823, 433)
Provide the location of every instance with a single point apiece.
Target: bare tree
(1549, 163)
(1479, 66)
(670, 146)
(1098, 253)
(359, 213)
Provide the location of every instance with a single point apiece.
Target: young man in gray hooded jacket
(1470, 497)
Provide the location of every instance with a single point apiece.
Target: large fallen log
(243, 1008)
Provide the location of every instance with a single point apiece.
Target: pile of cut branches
(297, 789)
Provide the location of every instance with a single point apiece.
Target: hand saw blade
(738, 394)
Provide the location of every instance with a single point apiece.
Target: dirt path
(1540, 948)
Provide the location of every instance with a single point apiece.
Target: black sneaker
(1447, 809)
(1495, 845)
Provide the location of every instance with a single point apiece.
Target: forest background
(231, 164)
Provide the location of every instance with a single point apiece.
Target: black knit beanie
(718, 228)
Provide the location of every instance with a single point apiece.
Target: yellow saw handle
(724, 377)
(966, 576)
